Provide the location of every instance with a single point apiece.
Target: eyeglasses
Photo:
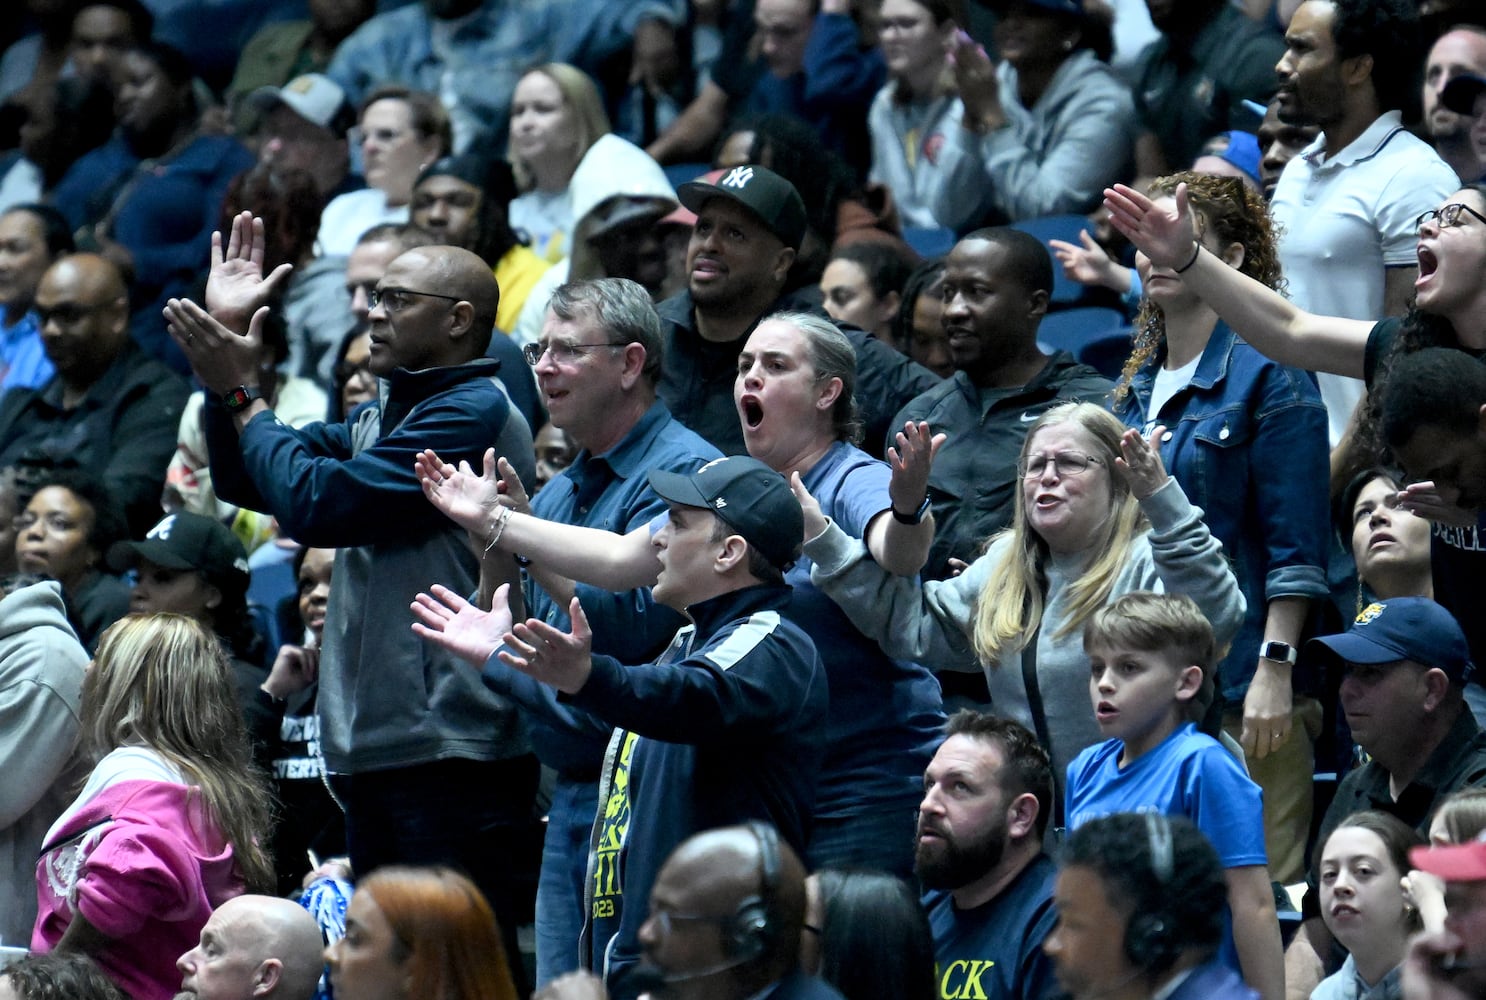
(54, 523)
(346, 371)
(562, 352)
(1066, 463)
(1447, 216)
(665, 918)
(395, 300)
(65, 315)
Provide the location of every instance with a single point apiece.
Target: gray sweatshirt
(932, 622)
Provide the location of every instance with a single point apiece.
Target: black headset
(1150, 941)
(751, 932)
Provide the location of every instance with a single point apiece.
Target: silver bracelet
(497, 529)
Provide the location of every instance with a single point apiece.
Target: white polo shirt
(1344, 220)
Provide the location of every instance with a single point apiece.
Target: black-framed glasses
(1066, 463)
(562, 352)
(1447, 216)
(395, 300)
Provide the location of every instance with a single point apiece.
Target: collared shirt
(1458, 762)
(611, 492)
(23, 361)
(1343, 219)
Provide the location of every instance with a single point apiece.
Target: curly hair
(1416, 331)
(1233, 213)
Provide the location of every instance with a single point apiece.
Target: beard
(949, 863)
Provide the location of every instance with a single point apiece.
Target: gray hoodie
(41, 679)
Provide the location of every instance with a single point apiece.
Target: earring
(1067, 45)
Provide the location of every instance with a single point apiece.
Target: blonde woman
(1096, 517)
(556, 117)
(171, 820)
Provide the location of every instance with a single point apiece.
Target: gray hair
(622, 307)
(832, 356)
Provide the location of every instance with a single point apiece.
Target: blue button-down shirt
(612, 492)
(22, 359)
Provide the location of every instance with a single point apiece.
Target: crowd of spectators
(758, 492)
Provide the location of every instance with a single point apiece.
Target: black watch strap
(239, 399)
(917, 517)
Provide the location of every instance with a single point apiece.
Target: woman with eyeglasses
(401, 132)
(1246, 439)
(1096, 517)
(1449, 310)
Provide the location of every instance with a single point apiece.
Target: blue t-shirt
(994, 951)
(886, 715)
(1188, 774)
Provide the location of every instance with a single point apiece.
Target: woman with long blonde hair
(172, 818)
(1096, 517)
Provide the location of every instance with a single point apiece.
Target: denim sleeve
(1290, 451)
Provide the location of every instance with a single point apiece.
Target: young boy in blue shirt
(1151, 659)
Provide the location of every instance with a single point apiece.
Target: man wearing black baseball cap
(750, 223)
(725, 726)
(1404, 664)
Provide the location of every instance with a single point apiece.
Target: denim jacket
(1246, 439)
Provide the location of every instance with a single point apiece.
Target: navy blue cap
(752, 498)
(1403, 628)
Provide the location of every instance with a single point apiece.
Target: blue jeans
(879, 838)
(564, 871)
(475, 816)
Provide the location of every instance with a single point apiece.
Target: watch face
(1282, 651)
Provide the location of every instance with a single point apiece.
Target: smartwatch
(917, 517)
(1280, 652)
(239, 399)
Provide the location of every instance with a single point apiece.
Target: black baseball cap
(189, 541)
(760, 190)
(752, 498)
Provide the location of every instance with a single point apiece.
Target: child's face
(1138, 695)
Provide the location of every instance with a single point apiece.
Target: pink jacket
(145, 865)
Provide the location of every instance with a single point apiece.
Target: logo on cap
(719, 503)
(738, 177)
(1370, 613)
(162, 530)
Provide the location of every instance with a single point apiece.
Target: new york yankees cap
(760, 190)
